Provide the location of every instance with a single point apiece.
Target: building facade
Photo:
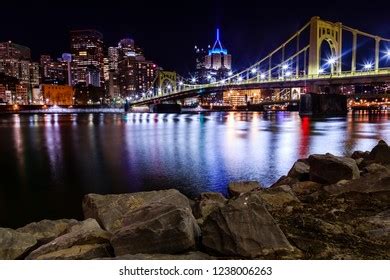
(87, 51)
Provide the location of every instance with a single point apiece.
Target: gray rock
(300, 171)
(238, 188)
(188, 256)
(14, 244)
(278, 197)
(380, 153)
(329, 169)
(207, 203)
(47, 230)
(370, 183)
(80, 252)
(244, 228)
(375, 168)
(111, 210)
(86, 233)
(285, 180)
(305, 188)
(156, 229)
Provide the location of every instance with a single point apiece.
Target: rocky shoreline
(327, 207)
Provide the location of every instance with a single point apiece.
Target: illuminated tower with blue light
(218, 57)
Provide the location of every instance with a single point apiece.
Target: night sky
(168, 30)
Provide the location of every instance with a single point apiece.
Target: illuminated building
(214, 64)
(87, 51)
(15, 61)
(53, 72)
(218, 57)
(135, 74)
(57, 94)
(242, 97)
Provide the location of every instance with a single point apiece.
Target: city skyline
(246, 25)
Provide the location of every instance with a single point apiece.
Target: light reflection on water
(48, 162)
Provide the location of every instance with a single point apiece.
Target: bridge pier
(165, 108)
(313, 104)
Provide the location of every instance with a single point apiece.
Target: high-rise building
(54, 71)
(113, 58)
(134, 75)
(15, 61)
(215, 64)
(218, 57)
(87, 51)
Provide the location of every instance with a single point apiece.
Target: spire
(217, 47)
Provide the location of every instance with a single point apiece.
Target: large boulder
(300, 171)
(207, 203)
(377, 182)
(156, 229)
(278, 197)
(285, 180)
(86, 233)
(47, 230)
(111, 210)
(238, 188)
(196, 255)
(380, 153)
(14, 244)
(244, 228)
(80, 252)
(329, 169)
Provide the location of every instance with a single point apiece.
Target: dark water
(48, 162)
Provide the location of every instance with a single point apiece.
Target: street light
(239, 79)
(253, 71)
(321, 71)
(368, 66)
(193, 80)
(262, 76)
(331, 60)
(288, 73)
(230, 73)
(285, 67)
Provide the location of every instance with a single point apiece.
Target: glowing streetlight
(262, 76)
(368, 66)
(169, 87)
(230, 73)
(288, 73)
(193, 80)
(388, 53)
(222, 81)
(180, 83)
(253, 71)
(321, 71)
(239, 79)
(285, 67)
(331, 60)
(208, 77)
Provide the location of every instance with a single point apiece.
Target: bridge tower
(320, 31)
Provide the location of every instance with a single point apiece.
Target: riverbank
(326, 207)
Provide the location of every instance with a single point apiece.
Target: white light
(240, 79)
(169, 86)
(180, 83)
(253, 70)
(321, 71)
(208, 77)
(288, 73)
(230, 73)
(222, 81)
(388, 53)
(262, 76)
(285, 66)
(193, 80)
(331, 60)
(368, 66)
